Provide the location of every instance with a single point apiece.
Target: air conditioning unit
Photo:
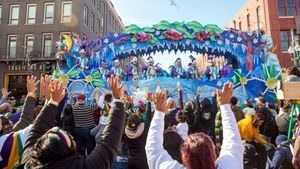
(288, 90)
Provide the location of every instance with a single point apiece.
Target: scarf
(135, 134)
(13, 149)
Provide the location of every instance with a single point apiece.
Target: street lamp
(294, 49)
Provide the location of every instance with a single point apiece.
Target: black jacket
(101, 157)
(136, 147)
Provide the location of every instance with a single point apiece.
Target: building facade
(277, 17)
(29, 30)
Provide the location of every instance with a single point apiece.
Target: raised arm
(157, 156)
(27, 111)
(45, 119)
(231, 155)
(197, 102)
(296, 152)
(148, 109)
(106, 149)
(214, 104)
(5, 94)
(180, 99)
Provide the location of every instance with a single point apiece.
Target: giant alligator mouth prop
(257, 69)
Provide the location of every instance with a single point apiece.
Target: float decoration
(247, 50)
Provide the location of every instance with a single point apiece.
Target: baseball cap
(261, 100)
(81, 97)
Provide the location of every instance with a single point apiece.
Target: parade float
(251, 65)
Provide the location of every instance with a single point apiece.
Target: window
(258, 16)
(14, 14)
(234, 24)
(281, 7)
(47, 44)
(284, 40)
(99, 25)
(0, 14)
(92, 22)
(298, 7)
(99, 6)
(248, 23)
(12, 46)
(49, 13)
(102, 8)
(109, 17)
(291, 8)
(66, 12)
(288, 7)
(85, 16)
(31, 14)
(29, 40)
(240, 25)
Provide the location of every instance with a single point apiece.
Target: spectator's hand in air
(5, 93)
(160, 102)
(116, 89)
(198, 91)
(46, 90)
(157, 83)
(149, 96)
(57, 91)
(224, 96)
(178, 86)
(32, 84)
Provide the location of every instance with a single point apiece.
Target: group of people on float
(155, 131)
(134, 71)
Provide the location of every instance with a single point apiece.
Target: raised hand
(198, 91)
(57, 91)
(149, 96)
(5, 93)
(160, 102)
(178, 86)
(32, 84)
(116, 89)
(46, 90)
(157, 83)
(224, 96)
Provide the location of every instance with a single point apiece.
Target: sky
(150, 12)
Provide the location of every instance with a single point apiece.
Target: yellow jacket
(248, 131)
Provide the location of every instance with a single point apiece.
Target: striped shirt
(83, 115)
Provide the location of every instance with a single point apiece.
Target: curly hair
(199, 152)
(49, 148)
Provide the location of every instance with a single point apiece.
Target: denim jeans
(84, 140)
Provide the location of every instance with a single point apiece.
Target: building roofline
(110, 3)
(238, 12)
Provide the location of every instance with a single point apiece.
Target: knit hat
(261, 100)
(280, 139)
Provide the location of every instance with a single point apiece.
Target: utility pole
(294, 49)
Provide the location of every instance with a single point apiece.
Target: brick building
(277, 17)
(29, 30)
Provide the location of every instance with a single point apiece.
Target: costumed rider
(212, 71)
(151, 69)
(192, 70)
(132, 69)
(178, 71)
(61, 48)
(83, 60)
(104, 72)
(116, 70)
